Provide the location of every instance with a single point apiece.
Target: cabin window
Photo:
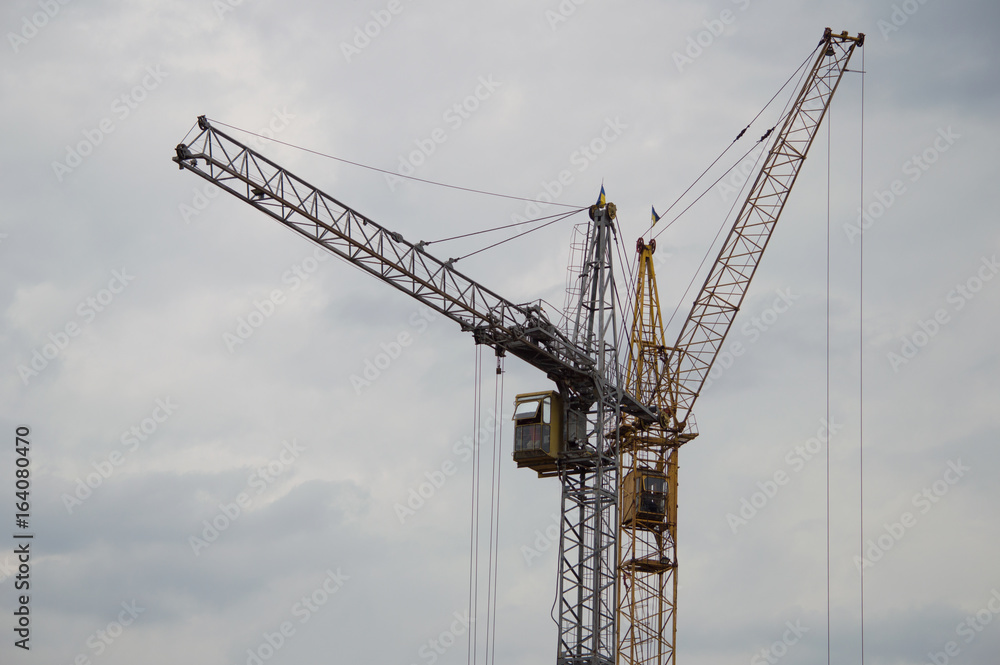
(654, 495)
(527, 410)
(532, 426)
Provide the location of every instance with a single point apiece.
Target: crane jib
(521, 329)
(725, 287)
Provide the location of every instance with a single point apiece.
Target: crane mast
(589, 522)
(611, 440)
(647, 539)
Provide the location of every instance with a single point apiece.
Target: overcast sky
(182, 360)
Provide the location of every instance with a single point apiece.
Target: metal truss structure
(617, 583)
(722, 294)
(647, 549)
(671, 378)
(589, 524)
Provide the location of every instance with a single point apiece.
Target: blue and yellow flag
(656, 217)
(601, 200)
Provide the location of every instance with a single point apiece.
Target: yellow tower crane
(647, 494)
(670, 378)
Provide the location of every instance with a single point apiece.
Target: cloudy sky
(182, 361)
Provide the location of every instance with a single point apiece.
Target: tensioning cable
(391, 173)
(731, 144)
(559, 218)
(561, 215)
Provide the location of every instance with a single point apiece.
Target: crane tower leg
(647, 537)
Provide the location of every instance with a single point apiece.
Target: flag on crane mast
(656, 217)
(601, 200)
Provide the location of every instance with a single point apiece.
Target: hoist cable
(493, 549)
(829, 145)
(491, 562)
(491, 608)
(391, 173)
(474, 502)
(861, 357)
